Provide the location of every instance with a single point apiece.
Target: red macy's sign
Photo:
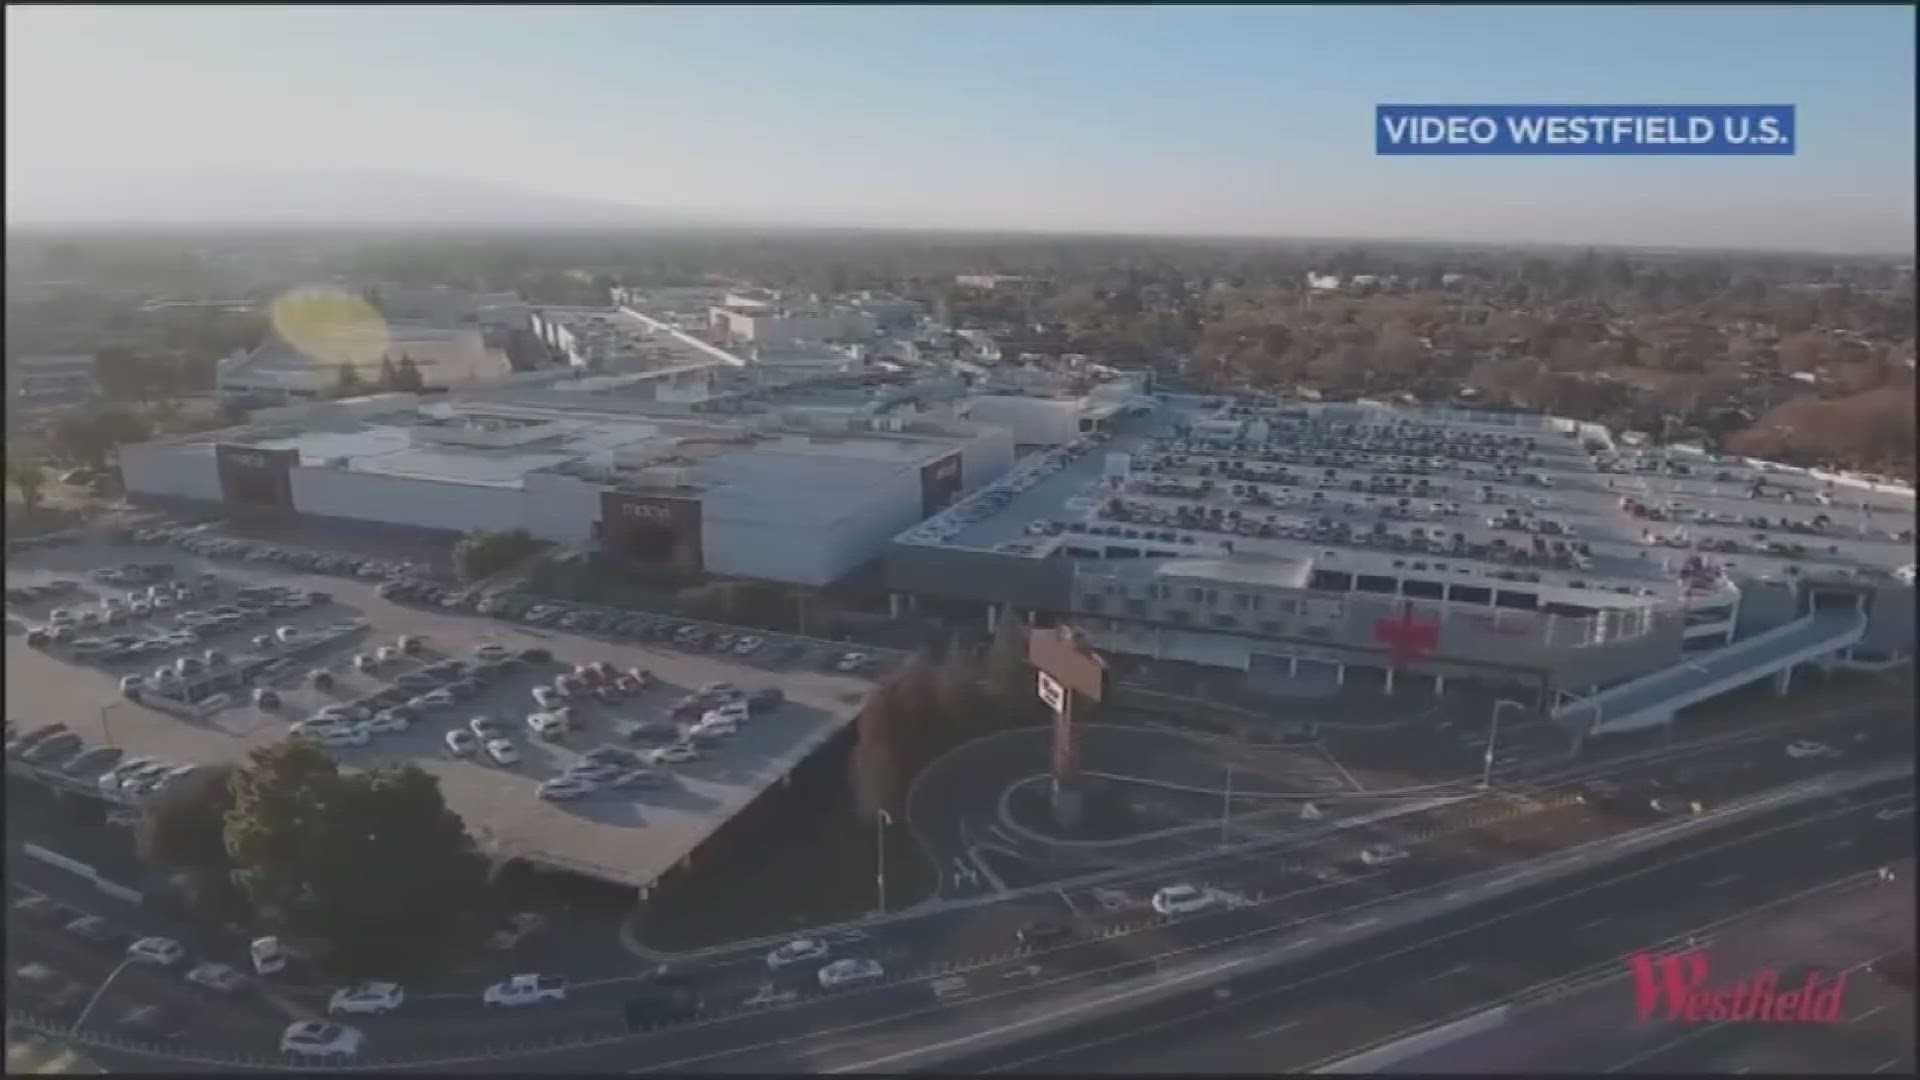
(1679, 982)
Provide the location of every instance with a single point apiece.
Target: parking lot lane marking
(1274, 1030)
(1363, 924)
(1721, 881)
(1457, 969)
(1842, 843)
(1591, 923)
(1887, 1064)
(1068, 900)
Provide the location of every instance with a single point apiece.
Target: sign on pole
(1052, 692)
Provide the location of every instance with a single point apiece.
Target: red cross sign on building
(1406, 640)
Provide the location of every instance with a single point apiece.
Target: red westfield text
(1678, 981)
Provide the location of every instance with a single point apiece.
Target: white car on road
(1181, 900)
(502, 752)
(523, 990)
(367, 999)
(546, 725)
(793, 952)
(1807, 748)
(164, 952)
(1381, 855)
(216, 977)
(850, 970)
(317, 1038)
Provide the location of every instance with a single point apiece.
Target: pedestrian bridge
(1834, 624)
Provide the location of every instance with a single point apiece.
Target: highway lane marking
(1723, 881)
(1017, 1025)
(1841, 844)
(1591, 923)
(1688, 1037)
(1599, 766)
(1814, 819)
(1335, 762)
(1363, 924)
(1876, 1010)
(1274, 1030)
(1457, 969)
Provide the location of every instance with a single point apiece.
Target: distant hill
(320, 198)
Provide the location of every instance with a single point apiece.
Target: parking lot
(632, 833)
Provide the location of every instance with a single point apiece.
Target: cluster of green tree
(30, 479)
(486, 552)
(403, 375)
(370, 864)
(932, 706)
(86, 435)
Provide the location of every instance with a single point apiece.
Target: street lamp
(1493, 736)
(1226, 805)
(880, 856)
(97, 995)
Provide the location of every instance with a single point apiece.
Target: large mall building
(1292, 541)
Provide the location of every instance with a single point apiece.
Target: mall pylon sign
(1678, 986)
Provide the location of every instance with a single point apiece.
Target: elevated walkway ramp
(1651, 700)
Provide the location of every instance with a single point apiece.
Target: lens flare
(330, 326)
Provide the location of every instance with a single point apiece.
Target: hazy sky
(1153, 119)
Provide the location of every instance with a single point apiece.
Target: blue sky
(1158, 119)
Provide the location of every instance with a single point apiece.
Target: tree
(373, 863)
(31, 478)
(120, 373)
(185, 829)
(389, 375)
(348, 383)
(1010, 679)
(86, 435)
(485, 552)
(409, 377)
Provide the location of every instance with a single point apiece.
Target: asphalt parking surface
(600, 831)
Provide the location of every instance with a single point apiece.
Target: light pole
(880, 856)
(1226, 805)
(97, 995)
(1493, 736)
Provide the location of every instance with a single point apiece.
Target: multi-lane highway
(1116, 936)
(1298, 1017)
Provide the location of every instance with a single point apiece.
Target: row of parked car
(54, 752)
(203, 540)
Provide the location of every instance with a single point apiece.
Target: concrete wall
(338, 493)
(986, 576)
(1033, 421)
(161, 471)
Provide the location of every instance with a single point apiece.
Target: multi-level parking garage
(1302, 541)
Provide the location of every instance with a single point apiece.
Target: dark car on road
(664, 999)
(1042, 933)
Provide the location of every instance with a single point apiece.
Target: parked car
(461, 743)
(218, 977)
(1180, 900)
(796, 951)
(367, 999)
(522, 990)
(317, 1038)
(502, 752)
(848, 971)
(563, 788)
(160, 951)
